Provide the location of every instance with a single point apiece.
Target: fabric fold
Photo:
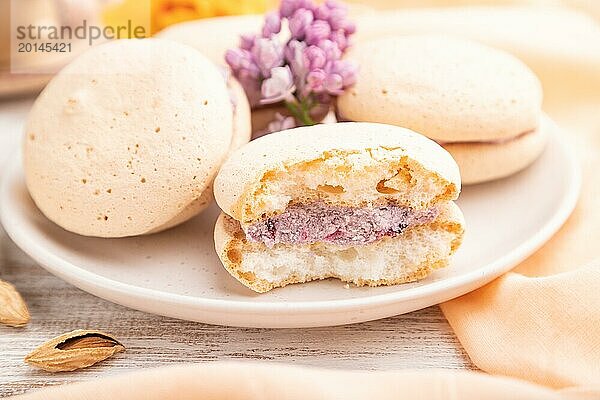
(269, 381)
(542, 329)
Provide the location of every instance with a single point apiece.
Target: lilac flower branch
(304, 72)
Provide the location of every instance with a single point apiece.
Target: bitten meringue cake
(366, 203)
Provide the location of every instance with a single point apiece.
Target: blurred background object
(156, 15)
(588, 6)
(73, 12)
(164, 13)
(28, 72)
(16, 84)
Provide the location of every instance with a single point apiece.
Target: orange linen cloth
(268, 381)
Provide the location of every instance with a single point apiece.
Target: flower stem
(301, 111)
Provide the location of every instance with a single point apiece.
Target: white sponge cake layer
(405, 258)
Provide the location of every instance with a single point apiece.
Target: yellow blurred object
(155, 15)
(232, 7)
(121, 12)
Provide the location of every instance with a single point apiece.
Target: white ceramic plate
(176, 273)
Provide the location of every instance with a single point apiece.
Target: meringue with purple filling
(366, 203)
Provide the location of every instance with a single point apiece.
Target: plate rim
(458, 285)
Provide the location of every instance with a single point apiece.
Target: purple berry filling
(319, 222)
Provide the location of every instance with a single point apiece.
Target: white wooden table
(422, 339)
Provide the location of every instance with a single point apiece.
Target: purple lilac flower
(294, 55)
(334, 84)
(242, 63)
(278, 87)
(316, 80)
(336, 14)
(287, 8)
(317, 31)
(247, 41)
(314, 57)
(299, 22)
(306, 71)
(246, 71)
(337, 18)
(281, 123)
(332, 80)
(331, 49)
(267, 54)
(340, 38)
(322, 12)
(272, 25)
(346, 70)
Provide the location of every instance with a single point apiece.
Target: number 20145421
(44, 47)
